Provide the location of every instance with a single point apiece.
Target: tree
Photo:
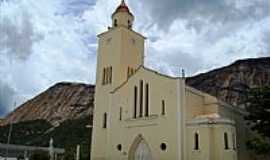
(258, 108)
(258, 117)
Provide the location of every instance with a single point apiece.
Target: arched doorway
(140, 150)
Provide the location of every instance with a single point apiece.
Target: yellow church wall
(156, 128)
(199, 103)
(203, 152)
(211, 142)
(219, 150)
(194, 104)
(133, 49)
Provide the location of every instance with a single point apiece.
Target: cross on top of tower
(123, 8)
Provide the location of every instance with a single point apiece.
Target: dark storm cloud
(202, 12)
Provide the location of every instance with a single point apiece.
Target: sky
(48, 41)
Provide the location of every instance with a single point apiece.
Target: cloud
(199, 13)
(44, 42)
(217, 32)
(48, 41)
(17, 38)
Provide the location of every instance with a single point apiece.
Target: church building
(141, 114)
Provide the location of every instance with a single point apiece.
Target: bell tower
(122, 16)
(120, 49)
(120, 52)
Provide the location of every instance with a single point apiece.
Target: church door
(142, 152)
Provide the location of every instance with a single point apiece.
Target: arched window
(115, 23)
(163, 109)
(196, 141)
(226, 141)
(105, 120)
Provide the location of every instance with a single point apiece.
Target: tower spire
(123, 3)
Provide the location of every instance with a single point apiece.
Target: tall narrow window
(196, 141)
(129, 24)
(128, 73)
(110, 74)
(141, 99)
(105, 120)
(120, 114)
(135, 102)
(106, 75)
(234, 141)
(226, 141)
(103, 76)
(146, 100)
(163, 109)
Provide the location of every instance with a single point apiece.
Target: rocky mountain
(60, 102)
(70, 100)
(230, 83)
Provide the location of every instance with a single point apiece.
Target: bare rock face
(231, 83)
(61, 102)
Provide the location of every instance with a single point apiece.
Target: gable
(146, 73)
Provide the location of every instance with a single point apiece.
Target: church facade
(141, 114)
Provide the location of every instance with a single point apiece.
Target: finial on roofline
(123, 2)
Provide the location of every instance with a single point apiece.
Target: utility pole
(78, 152)
(9, 135)
(51, 152)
